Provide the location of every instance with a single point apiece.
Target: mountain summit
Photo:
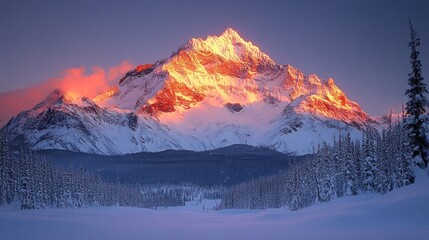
(210, 93)
(230, 46)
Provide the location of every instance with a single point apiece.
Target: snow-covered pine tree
(8, 184)
(68, 189)
(79, 188)
(41, 182)
(317, 174)
(3, 180)
(357, 154)
(405, 165)
(58, 188)
(50, 181)
(338, 166)
(381, 180)
(350, 184)
(368, 163)
(295, 191)
(390, 148)
(308, 183)
(416, 105)
(25, 189)
(324, 175)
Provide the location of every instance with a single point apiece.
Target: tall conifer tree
(416, 105)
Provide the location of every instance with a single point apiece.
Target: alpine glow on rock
(210, 93)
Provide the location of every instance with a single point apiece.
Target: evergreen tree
(350, 186)
(296, 200)
(416, 106)
(405, 170)
(338, 168)
(382, 176)
(317, 174)
(25, 189)
(381, 180)
(7, 172)
(357, 154)
(368, 163)
(325, 175)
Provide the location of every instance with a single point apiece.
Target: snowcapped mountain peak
(53, 98)
(229, 46)
(231, 34)
(211, 93)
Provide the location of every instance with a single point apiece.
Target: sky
(363, 45)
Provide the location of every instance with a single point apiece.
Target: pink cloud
(74, 80)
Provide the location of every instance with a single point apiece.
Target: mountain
(209, 94)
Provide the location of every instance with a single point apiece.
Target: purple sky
(363, 45)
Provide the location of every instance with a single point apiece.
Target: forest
(376, 163)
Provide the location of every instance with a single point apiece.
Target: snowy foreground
(401, 214)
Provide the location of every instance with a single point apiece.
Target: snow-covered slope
(210, 93)
(400, 214)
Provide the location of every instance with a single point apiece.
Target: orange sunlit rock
(334, 108)
(143, 67)
(174, 94)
